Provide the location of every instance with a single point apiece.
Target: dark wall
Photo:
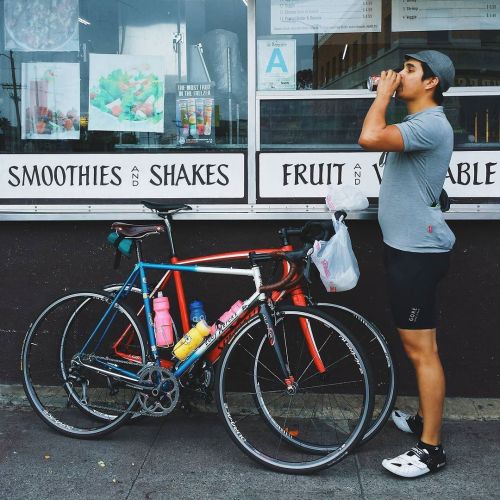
(43, 260)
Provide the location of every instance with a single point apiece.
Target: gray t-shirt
(412, 182)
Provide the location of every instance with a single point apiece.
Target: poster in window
(195, 113)
(276, 64)
(35, 25)
(50, 100)
(429, 15)
(126, 93)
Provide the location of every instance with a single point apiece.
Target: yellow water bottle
(191, 340)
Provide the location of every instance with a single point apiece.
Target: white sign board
(276, 64)
(432, 15)
(131, 176)
(295, 17)
(306, 175)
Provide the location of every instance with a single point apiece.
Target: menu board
(443, 15)
(34, 25)
(295, 17)
(126, 93)
(50, 101)
(194, 113)
(276, 64)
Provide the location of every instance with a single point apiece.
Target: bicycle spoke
(307, 423)
(312, 360)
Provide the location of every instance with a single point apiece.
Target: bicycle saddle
(165, 207)
(136, 230)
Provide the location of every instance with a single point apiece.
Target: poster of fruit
(194, 113)
(50, 100)
(35, 25)
(126, 93)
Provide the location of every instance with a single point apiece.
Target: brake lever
(307, 270)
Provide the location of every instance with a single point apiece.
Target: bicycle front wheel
(75, 391)
(377, 349)
(318, 422)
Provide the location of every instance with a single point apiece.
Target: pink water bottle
(164, 333)
(230, 312)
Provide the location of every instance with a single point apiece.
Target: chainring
(163, 396)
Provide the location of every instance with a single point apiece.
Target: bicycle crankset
(162, 395)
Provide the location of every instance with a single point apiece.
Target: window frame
(250, 210)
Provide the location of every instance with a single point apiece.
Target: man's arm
(376, 135)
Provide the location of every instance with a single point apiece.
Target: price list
(295, 17)
(440, 15)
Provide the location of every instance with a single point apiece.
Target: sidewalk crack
(144, 461)
(358, 472)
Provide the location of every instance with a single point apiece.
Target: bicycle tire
(278, 434)
(382, 363)
(54, 390)
(73, 394)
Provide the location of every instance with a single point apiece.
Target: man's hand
(388, 83)
(376, 135)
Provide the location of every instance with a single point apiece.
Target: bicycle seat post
(167, 218)
(138, 250)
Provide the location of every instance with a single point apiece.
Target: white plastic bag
(335, 260)
(345, 197)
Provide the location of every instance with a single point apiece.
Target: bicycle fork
(274, 342)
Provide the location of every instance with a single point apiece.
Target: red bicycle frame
(297, 296)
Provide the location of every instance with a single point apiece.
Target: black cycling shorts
(412, 279)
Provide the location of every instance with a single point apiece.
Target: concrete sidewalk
(193, 457)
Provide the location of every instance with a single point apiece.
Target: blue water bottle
(196, 312)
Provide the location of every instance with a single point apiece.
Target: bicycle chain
(149, 364)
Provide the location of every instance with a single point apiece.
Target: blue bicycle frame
(139, 271)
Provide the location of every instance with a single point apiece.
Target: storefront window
(319, 44)
(94, 75)
(335, 124)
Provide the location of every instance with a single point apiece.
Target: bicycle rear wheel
(377, 350)
(64, 387)
(318, 423)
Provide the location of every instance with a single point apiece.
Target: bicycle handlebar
(311, 230)
(294, 275)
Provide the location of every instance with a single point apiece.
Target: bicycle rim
(74, 399)
(317, 425)
(377, 350)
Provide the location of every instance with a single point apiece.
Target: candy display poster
(41, 25)
(50, 100)
(194, 113)
(126, 93)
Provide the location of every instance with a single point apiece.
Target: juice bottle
(191, 340)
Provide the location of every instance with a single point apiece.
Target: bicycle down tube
(139, 271)
(296, 294)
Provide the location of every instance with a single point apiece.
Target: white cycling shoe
(415, 462)
(407, 423)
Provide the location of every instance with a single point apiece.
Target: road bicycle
(296, 401)
(367, 334)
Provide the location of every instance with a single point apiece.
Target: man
(417, 240)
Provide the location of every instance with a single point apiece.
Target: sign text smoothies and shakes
(122, 176)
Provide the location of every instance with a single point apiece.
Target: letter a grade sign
(276, 64)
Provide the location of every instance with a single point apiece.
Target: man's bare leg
(421, 348)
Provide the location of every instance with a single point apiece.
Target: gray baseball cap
(439, 63)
